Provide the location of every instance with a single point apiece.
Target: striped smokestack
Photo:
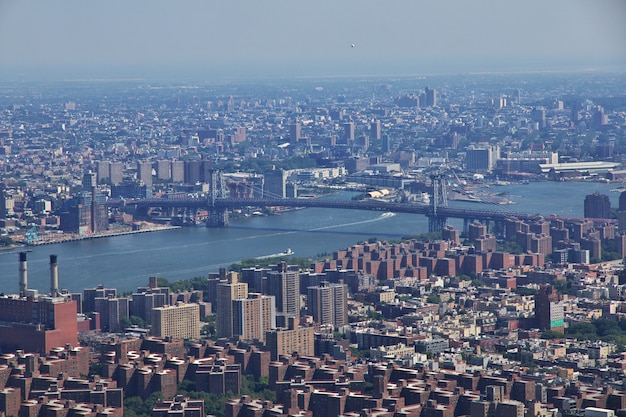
(23, 274)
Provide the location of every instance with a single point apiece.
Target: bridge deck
(375, 205)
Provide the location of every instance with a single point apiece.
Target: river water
(125, 262)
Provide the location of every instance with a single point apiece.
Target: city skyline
(213, 40)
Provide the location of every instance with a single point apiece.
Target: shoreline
(74, 238)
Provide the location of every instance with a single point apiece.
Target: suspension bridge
(218, 204)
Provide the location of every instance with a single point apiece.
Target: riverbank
(51, 238)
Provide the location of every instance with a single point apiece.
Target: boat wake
(288, 252)
(321, 229)
(381, 217)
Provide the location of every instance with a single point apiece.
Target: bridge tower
(218, 216)
(436, 221)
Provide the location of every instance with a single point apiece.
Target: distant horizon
(204, 40)
(199, 75)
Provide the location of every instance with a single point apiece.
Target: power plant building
(37, 323)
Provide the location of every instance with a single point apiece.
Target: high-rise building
(284, 284)
(206, 167)
(112, 311)
(254, 316)
(116, 173)
(143, 303)
(593, 244)
(620, 244)
(386, 143)
(328, 303)
(375, 130)
(193, 171)
(538, 115)
(597, 206)
(86, 213)
(103, 171)
(348, 132)
(89, 180)
(363, 142)
(254, 277)
(575, 112)
(295, 131)
(144, 172)
(599, 118)
(90, 184)
(431, 97)
(3, 203)
(239, 135)
(178, 171)
(275, 184)
(336, 114)
(181, 321)
(580, 228)
(227, 292)
(90, 295)
(164, 169)
(77, 219)
(476, 230)
(549, 312)
(482, 158)
(410, 101)
(451, 234)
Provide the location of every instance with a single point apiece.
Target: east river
(125, 262)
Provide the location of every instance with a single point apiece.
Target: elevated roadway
(142, 207)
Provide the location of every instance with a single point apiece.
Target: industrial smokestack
(23, 274)
(54, 276)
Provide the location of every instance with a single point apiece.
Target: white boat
(288, 252)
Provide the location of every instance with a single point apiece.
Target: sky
(210, 39)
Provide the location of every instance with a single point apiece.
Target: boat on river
(287, 252)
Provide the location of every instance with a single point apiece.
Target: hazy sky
(241, 38)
